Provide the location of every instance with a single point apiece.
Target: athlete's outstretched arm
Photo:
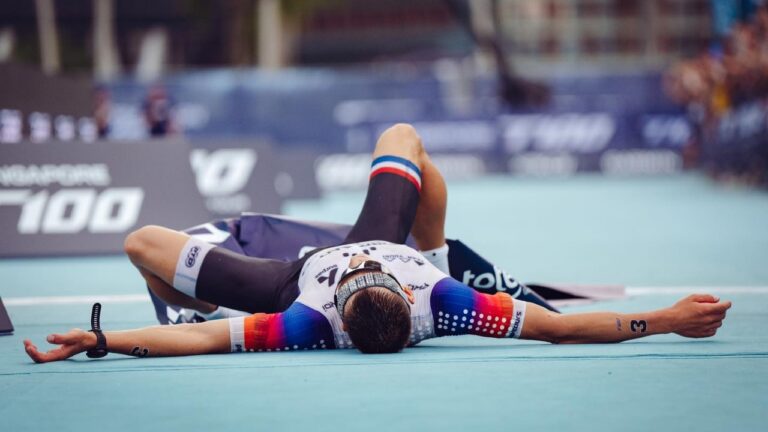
(459, 309)
(696, 316)
(299, 327)
(159, 341)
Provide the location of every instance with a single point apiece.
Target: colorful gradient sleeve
(298, 328)
(458, 309)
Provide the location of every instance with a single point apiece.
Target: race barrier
(83, 198)
(80, 198)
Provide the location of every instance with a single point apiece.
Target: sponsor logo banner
(236, 179)
(609, 162)
(83, 198)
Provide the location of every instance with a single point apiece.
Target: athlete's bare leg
(429, 225)
(155, 250)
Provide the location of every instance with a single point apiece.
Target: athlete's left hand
(71, 343)
(698, 315)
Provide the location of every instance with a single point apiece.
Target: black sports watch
(100, 350)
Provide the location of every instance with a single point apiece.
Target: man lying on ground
(346, 296)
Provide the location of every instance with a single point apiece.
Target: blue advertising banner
(338, 112)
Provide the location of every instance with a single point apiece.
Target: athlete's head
(374, 307)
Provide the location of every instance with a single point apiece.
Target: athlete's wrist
(90, 340)
(666, 321)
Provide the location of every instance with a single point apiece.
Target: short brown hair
(378, 321)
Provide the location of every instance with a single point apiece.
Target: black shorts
(264, 285)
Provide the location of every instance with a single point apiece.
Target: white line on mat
(144, 298)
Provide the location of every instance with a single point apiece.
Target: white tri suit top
(442, 307)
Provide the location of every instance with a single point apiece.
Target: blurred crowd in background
(734, 71)
(726, 93)
(560, 86)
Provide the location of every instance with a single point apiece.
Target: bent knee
(138, 243)
(401, 140)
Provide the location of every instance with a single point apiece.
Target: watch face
(6, 327)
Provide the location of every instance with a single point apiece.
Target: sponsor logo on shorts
(328, 305)
(192, 256)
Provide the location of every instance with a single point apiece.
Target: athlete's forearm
(594, 327)
(160, 341)
(601, 327)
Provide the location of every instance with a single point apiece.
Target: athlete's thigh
(236, 281)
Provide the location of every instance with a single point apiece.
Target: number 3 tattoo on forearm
(139, 352)
(618, 324)
(636, 325)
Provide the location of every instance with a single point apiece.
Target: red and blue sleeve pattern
(458, 309)
(298, 328)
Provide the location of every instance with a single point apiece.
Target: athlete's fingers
(705, 333)
(71, 336)
(714, 327)
(59, 353)
(33, 352)
(703, 298)
(720, 316)
(715, 321)
(717, 308)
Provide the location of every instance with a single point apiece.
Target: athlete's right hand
(71, 343)
(698, 315)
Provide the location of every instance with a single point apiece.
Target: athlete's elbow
(564, 333)
(552, 329)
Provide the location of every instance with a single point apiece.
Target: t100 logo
(73, 210)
